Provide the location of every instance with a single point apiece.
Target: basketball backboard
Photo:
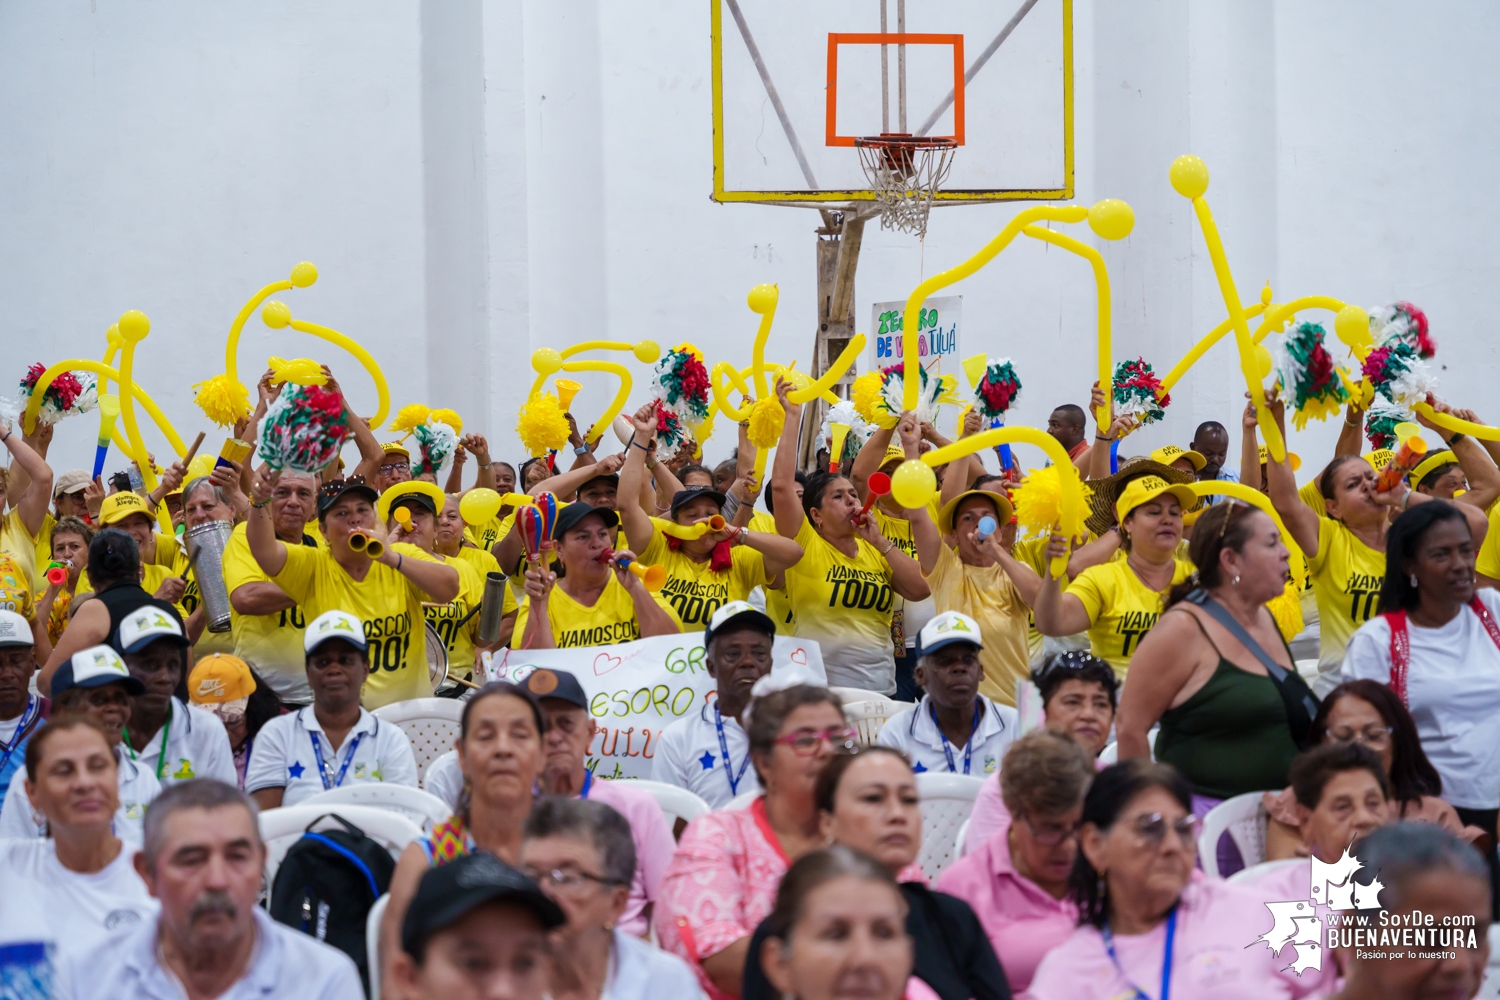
(795, 82)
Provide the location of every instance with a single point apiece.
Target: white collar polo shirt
(195, 744)
(288, 751)
(915, 732)
(138, 787)
(690, 754)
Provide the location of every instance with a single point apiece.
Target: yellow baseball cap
(1003, 507)
(893, 453)
(1148, 488)
(1170, 453)
(395, 448)
(1430, 464)
(118, 506)
(1294, 459)
(1380, 458)
(218, 678)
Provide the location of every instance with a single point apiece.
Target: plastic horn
(1211, 338)
(691, 532)
(403, 518)
(987, 527)
(1110, 218)
(57, 573)
(1101, 287)
(234, 450)
(363, 541)
(1189, 178)
(566, 390)
(1407, 456)
(837, 434)
(1449, 422)
(276, 315)
(1256, 498)
(109, 409)
(877, 486)
(654, 577)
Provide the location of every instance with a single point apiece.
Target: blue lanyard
(588, 782)
(968, 747)
(337, 782)
(1166, 959)
(28, 716)
(734, 779)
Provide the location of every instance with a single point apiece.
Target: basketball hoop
(905, 171)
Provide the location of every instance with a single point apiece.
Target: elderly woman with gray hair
(216, 497)
(583, 856)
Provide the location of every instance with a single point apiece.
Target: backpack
(327, 884)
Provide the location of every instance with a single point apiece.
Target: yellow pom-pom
(449, 417)
(223, 400)
(1287, 610)
(867, 391)
(541, 425)
(409, 416)
(1038, 501)
(766, 421)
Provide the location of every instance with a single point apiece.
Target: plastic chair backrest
(742, 800)
(1243, 818)
(851, 695)
(867, 717)
(961, 841)
(372, 942)
(1111, 753)
(676, 803)
(431, 724)
(947, 800)
(280, 829)
(423, 808)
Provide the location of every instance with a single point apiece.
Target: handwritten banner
(938, 328)
(637, 689)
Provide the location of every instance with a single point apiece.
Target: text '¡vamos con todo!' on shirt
(858, 588)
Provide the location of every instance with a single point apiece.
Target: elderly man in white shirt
(333, 742)
(167, 736)
(707, 752)
(202, 861)
(954, 729)
(92, 682)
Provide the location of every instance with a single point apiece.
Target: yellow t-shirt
(609, 621)
(445, 619)
(1346, 576)
(43, 556)
(15, 588)
(989, 596)
(272, 644)
(16, 542)
(694, 590)
(762, 521)
(844, 605)
(1488, 562)
(487, 534)
(1313, 497)
(1121, 608)
(168, 549)
(484, 564)
(385, 601)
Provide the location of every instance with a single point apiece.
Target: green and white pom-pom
(303, 429)
(1135, 388)
(893, 394)
(435, 444)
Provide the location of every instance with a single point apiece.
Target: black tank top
(123, 598)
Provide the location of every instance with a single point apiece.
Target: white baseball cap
(333, 625)
(95, 667)
(14, 630)
(145, 625)
(945, 629)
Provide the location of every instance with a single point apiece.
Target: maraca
(878, 485)
(654, 577)
(529, 520)
(546, 504)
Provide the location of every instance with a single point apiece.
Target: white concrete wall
(477, 178)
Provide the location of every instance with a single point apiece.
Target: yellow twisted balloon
(1211, 338)
(1112, 219)
(104, 372)
(276, 315)
(224, 397)
(914, 484)
(549, 361)
(133, 329)
(1189, 177)
(1240, 491)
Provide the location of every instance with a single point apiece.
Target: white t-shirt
(639, 971)
(48, 913)
(197, 747)
(688, 755)
(914, 732)
(284, 756)
(1453, 691)
(138, 787)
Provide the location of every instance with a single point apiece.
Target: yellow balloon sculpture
(1111, 219)
(224, 397)
(549, 361)
(277, 316)
(1211, 338)
(1256, 498)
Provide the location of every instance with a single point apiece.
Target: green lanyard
(161, 756)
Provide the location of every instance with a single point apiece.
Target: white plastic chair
(1253, 872)
(851, 695)
(947, 800)
(676, 803)
(1244, 819)
(423, 808)
(961, 841)
(431, 724)
(868, 717)
(280, 829)
(1111, 753)
(372, 943)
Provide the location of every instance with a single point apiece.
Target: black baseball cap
(569, 516)
(545, 682)
(613, 479)
(331, 492)
(694, 492)
(737, 612)
(447, 893)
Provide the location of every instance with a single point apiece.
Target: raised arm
(1479, 470)
(31, 505)
(789, 514)
(665, 484)
(268, 550)
(1351, 434)
(455, 481)
(1055, 612)
(371, 455)
(924, 534)
(583, 450)
(963, 471)
(1249, 447)
(1099, 450)
(638, 527)
(40, 442)
(565, 484)
(479, 447)
(906, 575)
(1300, 519)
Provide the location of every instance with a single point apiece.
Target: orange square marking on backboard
(837, 38)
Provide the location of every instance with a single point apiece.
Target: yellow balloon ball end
(276, 314)
(1352, 324)
(304, 274)
(913, 484)
(1262, 360)
(1111, 218)
(1265, 295)
(546, 360)
(647, 352)
(1189, 176)
(134, 326)
(112, 336)
(479, 505)
(762, 298)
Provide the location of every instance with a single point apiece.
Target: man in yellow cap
(1180, 459)
(394, 468)
(129, 512)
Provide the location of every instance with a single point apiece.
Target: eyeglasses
(394, 467)
(1050, 835)
(570, 881)
(1152, 830)
(1374, 737)
(805, 742)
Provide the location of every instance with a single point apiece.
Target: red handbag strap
(1400, 652)
(1486, 619)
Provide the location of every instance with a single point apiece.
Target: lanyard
(968, 747)
(588, 782)
(28, 716)
(337, 782)
(729, 772)
(1166, 960)
(161, 753)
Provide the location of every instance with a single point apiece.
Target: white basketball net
(904, 178)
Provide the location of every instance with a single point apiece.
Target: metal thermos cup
(492, 610)
(205, 546)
